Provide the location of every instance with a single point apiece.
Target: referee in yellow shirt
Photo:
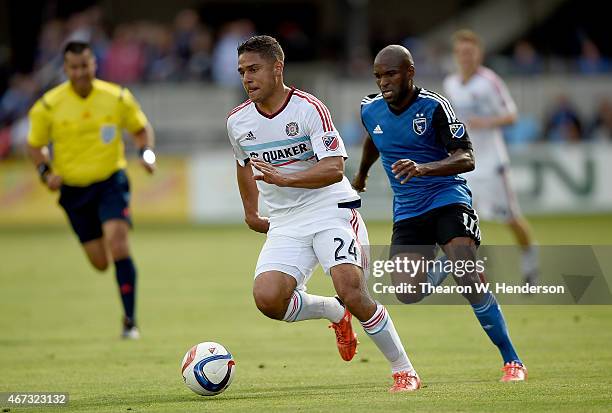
(82, 121)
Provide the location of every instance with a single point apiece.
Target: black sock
(126, 279)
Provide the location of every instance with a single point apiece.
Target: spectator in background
(162, 63)
(563, 124)
(295, 41)
(186, 26)
(591, 61)
(525, 59)
(224, 57)
(200, 61)
(18, 98)
(50, 43)
(601, 128)
(125, 59)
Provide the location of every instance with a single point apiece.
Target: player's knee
(118, 246)
(270, 303)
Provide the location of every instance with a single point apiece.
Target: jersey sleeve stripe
(325, 109)
(448, 110)
(499, 87)
(444, 102)
(323, 112)
(367, 100)
(239, 107)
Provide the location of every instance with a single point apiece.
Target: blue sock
(126, 279)
(492, 321)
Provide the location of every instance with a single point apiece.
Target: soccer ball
(208, 368)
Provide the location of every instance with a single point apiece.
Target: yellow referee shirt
(85, 132)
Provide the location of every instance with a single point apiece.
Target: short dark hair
(267, 46)
(76, 47)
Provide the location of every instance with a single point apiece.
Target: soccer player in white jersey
(482, 99)
(287, 149)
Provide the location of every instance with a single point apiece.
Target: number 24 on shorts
(352, 250)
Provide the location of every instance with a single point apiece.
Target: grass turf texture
(59, 323)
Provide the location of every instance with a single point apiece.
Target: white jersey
(484, 94)
(293, 139)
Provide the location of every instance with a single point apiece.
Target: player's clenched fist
(359, 182)
(406, 168)
(53, 182)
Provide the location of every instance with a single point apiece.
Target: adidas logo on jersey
(378, 130)
(250, 136)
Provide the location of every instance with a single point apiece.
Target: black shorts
(420, 234)
(88, 207)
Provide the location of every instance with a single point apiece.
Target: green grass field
(59, 328)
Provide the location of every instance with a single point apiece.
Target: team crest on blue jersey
(108, 133)
(331, 143)
(292, 129)
(419, 125)
(457, 129)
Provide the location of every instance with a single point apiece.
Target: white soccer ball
(208, 368)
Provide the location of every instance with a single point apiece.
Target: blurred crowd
(188, 50)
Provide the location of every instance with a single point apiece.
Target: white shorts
(329, 237)
(493, 196)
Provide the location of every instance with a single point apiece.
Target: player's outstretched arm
(369, 155)
(144, 140)
(327, 171)
(250, 199)
(459, 161)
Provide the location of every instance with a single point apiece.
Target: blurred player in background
(82, 121)
(287, 148)
(482, 99)
(423, 148)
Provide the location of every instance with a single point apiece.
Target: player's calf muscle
(350, 286)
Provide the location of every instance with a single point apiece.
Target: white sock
(530, 260)
(303, 306)
(381, 330)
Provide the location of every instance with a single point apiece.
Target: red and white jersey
(293, 139)
(483, 95)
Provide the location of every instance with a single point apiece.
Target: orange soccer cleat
(405, 381)
(514, 372)
(346, 339)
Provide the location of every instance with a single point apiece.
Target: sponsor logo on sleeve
(457, 130)
(331, 143)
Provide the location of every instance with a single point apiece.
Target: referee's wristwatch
(147, 155)
(43, 170)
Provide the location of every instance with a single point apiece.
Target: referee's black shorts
(90, 206)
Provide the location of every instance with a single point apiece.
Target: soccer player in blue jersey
(423, 148)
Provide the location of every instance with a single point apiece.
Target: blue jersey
(426, 131)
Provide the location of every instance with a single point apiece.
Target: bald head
(394, 55)
(394, 71)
